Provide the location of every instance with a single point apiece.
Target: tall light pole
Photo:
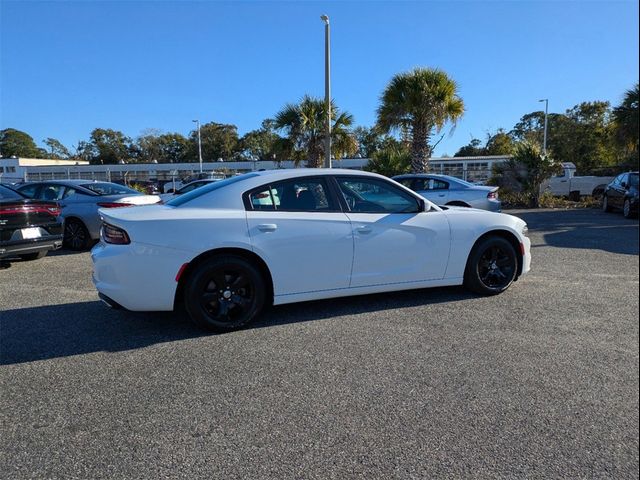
(327, 90)
(546, 113)
(197, 122)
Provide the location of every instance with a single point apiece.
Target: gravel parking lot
(540, 382)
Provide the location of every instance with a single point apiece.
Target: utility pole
(327, 90)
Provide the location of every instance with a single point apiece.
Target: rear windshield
(198, 192)
(109, 189)
(8, 194)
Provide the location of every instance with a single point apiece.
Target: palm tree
(418, 103)
(626, 119)
(304, 125)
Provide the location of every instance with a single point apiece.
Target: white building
(473, 169)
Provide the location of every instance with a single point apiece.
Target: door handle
(363, 229)
(267, 227)
(441, 194)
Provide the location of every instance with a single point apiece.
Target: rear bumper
(33, 246)
(489, 205)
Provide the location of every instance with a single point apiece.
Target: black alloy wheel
(492, 266)
(224, 293)
(626, 209)
(76, 235)
(605, 204)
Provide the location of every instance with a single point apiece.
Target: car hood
(463, 215)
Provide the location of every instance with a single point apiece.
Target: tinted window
(51, 192)
(198, 192)
(407, 182)
(109, 189)
(305, 194)
(431, 184)
(366, 195)
(8, 194)
(29, 190)
(633, 180)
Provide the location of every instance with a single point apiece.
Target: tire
(574, 196)
(492, 266)
(76, 235)
(224, 293)
(626, 209)
(28, 257)
(458, 204)
(605, 204)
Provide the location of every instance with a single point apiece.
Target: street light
(197, 122)
(327, 90)
(546, 112)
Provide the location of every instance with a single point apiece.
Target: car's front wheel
(492, 266)
(224, 293)
(605, 204)
(626, 209)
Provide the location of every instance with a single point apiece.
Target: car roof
(70, 183)
(429, 175)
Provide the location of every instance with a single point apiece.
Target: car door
(394, 240)
(433, 189)
(298, 228)
(616, 192)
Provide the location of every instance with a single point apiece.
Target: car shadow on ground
(54, 331)
(584, 229)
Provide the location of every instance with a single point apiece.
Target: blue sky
(69, 67)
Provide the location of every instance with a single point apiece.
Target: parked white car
(447, 190)
(229, 248)
(567, 184)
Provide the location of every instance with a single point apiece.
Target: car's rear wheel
(76, 235)
(626, 209)
(33, 256)
(605, 204)
(224, 293)
(492, 266)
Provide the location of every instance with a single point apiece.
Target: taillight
(14, 210)
(114, 235)
(113, 204)
(493, 195)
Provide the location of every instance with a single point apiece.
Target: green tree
(626, 123)
(20, 144)
(499, 143)
(420, 102)
(163, 148)
(57, 149)
(390, 160)
(219, 140)
(106, 146)
(531, 167)
(472, 149)
(261, 144)
(303, 124)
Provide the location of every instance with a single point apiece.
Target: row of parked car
(36, 217)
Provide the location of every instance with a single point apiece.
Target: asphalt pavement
(539, 382)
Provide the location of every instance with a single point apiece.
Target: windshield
(8, 194)
(633, 180)
(198, 192)
(109, 189)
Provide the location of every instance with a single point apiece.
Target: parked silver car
(446, 190)
(80, 201)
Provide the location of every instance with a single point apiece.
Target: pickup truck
(569, 185)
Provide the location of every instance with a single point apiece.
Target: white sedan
(229, 248)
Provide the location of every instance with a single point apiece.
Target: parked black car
(622, 194)
(28, 228)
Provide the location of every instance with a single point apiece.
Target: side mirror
(424, 206)
(624, 185)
